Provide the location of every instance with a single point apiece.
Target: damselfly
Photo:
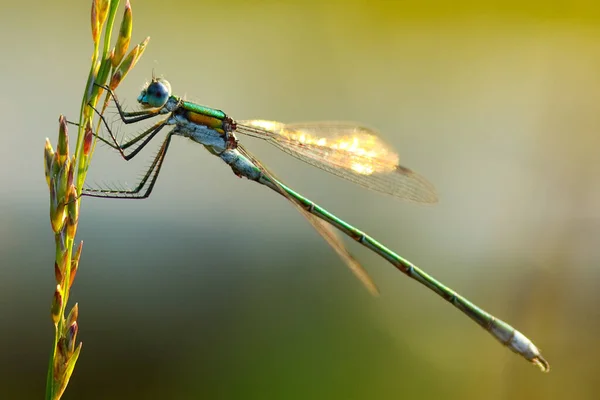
(347, 150)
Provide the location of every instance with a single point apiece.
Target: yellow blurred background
(216, 288)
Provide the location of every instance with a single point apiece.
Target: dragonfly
(348, 150)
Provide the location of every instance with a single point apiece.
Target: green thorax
(207, 111)
(201, 115)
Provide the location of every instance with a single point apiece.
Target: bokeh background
(216, 288)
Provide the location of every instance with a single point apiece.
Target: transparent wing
(347, 150)
(324, 229)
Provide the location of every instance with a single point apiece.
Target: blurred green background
(216, 288)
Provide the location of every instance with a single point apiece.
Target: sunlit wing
(323, 228)
(347, 150)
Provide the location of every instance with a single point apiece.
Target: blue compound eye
(156, 94)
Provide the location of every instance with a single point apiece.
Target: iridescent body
(344, 149)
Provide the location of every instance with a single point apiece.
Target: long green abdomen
(502, 331)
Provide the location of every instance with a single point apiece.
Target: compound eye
(156, 94)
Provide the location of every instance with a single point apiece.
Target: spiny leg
(136, 193)
(133, 116)
(150, 133)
